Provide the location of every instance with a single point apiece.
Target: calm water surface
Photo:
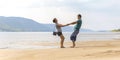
(8, 39)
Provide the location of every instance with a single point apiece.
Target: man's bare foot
(62, 47)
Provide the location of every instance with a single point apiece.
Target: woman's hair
(54, 20)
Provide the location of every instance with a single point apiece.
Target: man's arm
(72, 23)
(67, 24)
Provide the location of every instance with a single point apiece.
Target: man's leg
(73, 44)
(62, 41)
(73, 37)
(73, 41)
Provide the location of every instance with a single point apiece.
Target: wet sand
(89, 50)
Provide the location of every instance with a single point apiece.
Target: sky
(96, 14)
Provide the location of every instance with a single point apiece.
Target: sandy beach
(89, 50)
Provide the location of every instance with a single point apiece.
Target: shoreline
(50, 45)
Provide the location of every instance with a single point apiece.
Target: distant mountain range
(20, 24)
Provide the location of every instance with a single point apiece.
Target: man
(76, 29)
(59, 31)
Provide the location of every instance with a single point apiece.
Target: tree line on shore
(116, 30)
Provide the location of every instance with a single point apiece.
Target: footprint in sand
(105, 53)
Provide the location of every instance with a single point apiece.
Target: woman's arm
(60, 25)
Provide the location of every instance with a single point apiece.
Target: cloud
(103, 12)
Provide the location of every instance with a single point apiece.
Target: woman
(59, 32)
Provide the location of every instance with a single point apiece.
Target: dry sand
(92, 50)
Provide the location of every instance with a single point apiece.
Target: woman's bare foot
(72, 46)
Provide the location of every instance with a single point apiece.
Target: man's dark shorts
(74, 35)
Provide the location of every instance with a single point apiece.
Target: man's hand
(73, 23)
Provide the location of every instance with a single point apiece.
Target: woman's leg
(62, 41)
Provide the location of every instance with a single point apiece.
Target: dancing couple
(73, 35)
